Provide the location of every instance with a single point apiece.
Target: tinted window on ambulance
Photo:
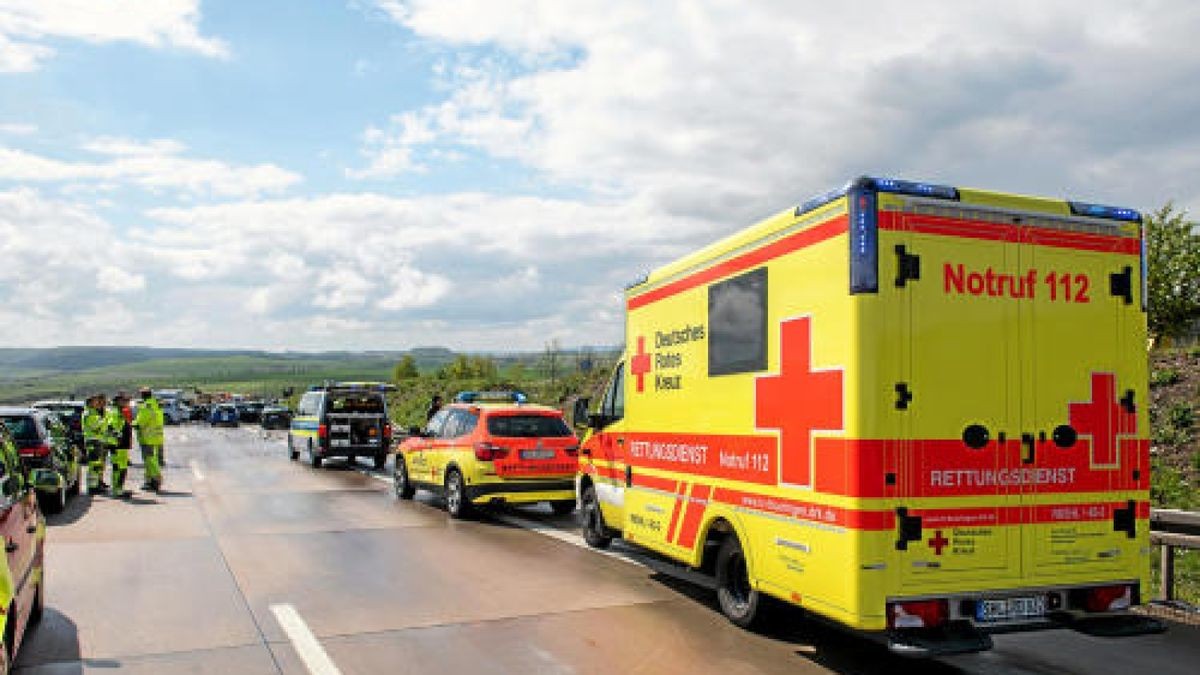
(527, 426)
(737, 324)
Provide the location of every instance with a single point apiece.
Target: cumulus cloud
(152, 165)
(28, 26)
(739, 103)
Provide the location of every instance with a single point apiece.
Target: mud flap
(1112, 625)
(956, 637)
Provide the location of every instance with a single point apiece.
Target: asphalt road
(250, 563)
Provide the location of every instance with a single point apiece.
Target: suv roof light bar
(495, 396)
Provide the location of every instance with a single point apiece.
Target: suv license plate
(1007, 609)
(339, 443)
(537, 454)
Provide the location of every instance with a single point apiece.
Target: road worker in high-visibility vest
(120, 418)
(149, 425)
(96, 439)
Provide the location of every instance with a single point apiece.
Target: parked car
(491, 448)
(224, 415)
(71, 414)
(344, 419)
(23, 529)
(200, 412)
(276, 417)
(49, 457)
(250, 412)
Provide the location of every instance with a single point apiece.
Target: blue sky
(366, 174)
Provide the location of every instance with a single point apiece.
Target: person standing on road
(95, 439)
(149, 425)
(119, 421)
(434, 406)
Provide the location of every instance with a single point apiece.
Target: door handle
(11, 546)
(1027, 442)
(31, 529)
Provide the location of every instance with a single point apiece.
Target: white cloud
(18, 129)
(26, 26)
(152, 165)
(116, 280)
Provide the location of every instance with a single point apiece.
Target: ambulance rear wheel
(595, 532)
(313, 458)
(457, 504)
(292, 451)
(740, 603)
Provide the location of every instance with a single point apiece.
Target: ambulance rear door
(954, 491)
(1081, 398)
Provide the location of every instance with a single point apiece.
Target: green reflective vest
(149, 423)
(95, 426)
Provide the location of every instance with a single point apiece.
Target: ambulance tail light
(323, 431)
(488, 452)
(42, 450)
(918, 613)
(1108, 598)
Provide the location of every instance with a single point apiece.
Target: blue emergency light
(1102, 211)
(481, 396)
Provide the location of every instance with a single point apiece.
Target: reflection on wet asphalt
(185, 581)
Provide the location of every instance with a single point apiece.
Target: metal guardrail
(1172, 529)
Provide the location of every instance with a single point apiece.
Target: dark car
(71, 414)
(50, 459)
(224, 415)
(250, 412)
(200, 412)
(23, 530)
(276, 417)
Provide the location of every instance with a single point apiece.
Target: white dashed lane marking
(305, 643)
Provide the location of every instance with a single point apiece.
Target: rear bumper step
(956, 637)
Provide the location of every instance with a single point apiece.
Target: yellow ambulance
(917, 410)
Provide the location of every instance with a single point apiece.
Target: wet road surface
(250, 563)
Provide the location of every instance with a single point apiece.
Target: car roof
(492, 408)
(20, 410)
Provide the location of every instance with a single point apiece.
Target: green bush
(1169, 488)
(1164, 377)
(1181, 416)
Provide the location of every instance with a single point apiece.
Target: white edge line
(310, 651)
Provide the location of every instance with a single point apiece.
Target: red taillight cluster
(1108, 598)
(387, 431)
(571, 450)
(918, 613)
(323, 431)
(488, 452)
(36, 450)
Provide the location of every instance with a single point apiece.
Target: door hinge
(1120, 284)
(903, 396)
(908, 528)
(1127, 402)
(908, 266)
(1125, 520)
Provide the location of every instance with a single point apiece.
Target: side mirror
(597, 420)
(579, 416)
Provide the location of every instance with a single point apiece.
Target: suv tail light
(1108, 598)
(918, 613)
(487, 451)
(42, 450)
(387, 431)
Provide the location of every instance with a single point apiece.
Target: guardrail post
(1167, 576)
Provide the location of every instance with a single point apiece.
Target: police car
(342, 419)
(491, 448)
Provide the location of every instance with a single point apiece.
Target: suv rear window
(527, 426)
(355, 403)
(23, 428)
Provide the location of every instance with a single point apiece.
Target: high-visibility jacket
(95, 426)
(149, 423)
(116, 425)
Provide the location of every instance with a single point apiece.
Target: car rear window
(527, 426)
(23, 427)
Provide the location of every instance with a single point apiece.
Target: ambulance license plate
(1008, 609)
(537, 454)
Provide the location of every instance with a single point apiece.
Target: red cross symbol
(938, 543)
(798, 401)
(1103, 419)
(639, 365)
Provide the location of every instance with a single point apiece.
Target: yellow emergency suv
(914, 409)
(491, 448)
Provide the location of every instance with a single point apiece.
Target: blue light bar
(496, 396)
(1108, 212)
(907, 187)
